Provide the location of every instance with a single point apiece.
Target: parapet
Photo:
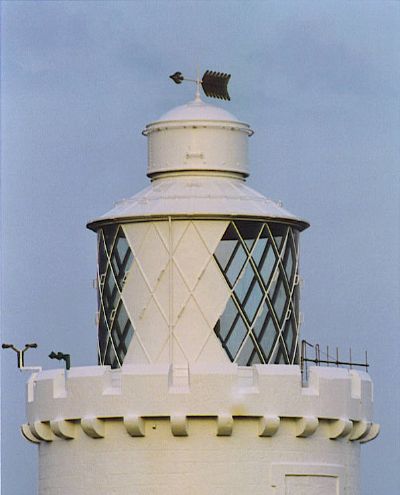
(58, 400)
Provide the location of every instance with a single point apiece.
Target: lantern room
(198, 267)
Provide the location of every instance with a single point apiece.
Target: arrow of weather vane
(214, 84)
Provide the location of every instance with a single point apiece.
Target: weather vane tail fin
(215, 84)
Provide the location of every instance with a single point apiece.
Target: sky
(317, 81)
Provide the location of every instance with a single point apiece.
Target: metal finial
(198, 82)
(214, 84)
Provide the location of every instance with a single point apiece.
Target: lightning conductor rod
(214, 84)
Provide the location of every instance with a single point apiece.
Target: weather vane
(214, 84)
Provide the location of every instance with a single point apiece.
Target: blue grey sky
(318, 82)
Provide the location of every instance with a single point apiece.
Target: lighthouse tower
(198, 387)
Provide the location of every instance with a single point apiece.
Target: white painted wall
(155, 429)
(200, 464)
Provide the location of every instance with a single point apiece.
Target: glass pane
(121, 258)
(224, 252)
(227, 320)
(249, 231)
(295, 236)
(249, 243)
(289, 339)
(296, 302)
(278, 242)
(279, 233)
(253, 301)
(121, 245)
(271, 286)
(273, 356)
(226, 247)
(121, 330)
(103, 336)
(110, 358)
(102, 255)
(259, 249)
(122, 316)
(260, 320)
(256, 359)
(290, 335)
(289, 259)
(288, 262)
(127, 261)
(109, 235)
(110, 283)
(128, 336)
(246, 353)
(244, 283)
(236, 337)
(280, 301)
(110, 295)
(267, 339)
(282, 359)
(98, 292)
(267, 264)
(277, 229)
(116, 263)
(115, 338)
(235, 265)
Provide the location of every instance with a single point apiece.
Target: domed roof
(197, 110)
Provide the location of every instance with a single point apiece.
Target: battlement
(269, 393)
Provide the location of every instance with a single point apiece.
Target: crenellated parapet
(337, 402)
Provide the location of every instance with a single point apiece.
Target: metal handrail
(328, 361)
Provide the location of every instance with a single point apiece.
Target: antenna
(214, 84)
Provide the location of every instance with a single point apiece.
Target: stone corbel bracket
(93, 427)
(306, 426)
(268, 426)
(63, 428)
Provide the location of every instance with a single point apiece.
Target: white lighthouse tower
(199, 389)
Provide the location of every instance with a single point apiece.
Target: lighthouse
(199, 386)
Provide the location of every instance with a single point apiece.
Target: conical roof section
(197, 196)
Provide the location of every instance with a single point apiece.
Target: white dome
(197, 110)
